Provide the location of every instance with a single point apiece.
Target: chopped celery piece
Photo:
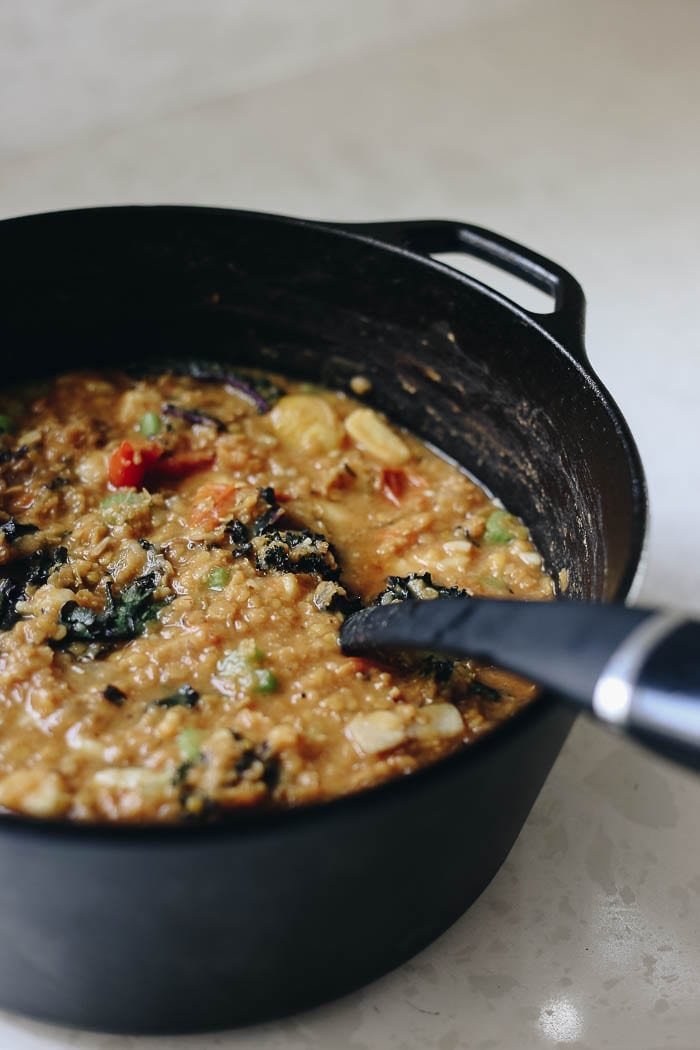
(150, 424)
(118, 499)
(242, 664)
(189, 741)
(494, 583)
(218, 578)
(264, 681)
(5, 423)
(499, 527)
(119, 507)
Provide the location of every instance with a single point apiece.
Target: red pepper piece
(130, 466)
(129, 463)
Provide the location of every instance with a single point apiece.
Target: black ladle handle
(636, 669)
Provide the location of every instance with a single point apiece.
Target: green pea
(150, 424)
(5, 423)
(264, 681)
(218, 578)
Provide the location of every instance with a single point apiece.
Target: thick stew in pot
(177, 551)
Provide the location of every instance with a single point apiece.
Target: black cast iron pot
(181, 928)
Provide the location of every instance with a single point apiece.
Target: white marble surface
(573, 127)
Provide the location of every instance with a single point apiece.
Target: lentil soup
(177, 552)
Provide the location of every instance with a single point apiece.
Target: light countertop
(573, 128)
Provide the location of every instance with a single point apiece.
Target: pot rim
(245, 823)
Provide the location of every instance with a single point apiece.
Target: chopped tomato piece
(212, 503)
(129, 463)
(393, 484)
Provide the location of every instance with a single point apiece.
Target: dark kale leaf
(485, 691)
(79, 620)
(8, 455)
(272, 769)
(296, 550)
(113, 695)
(238, 535)
(185, 696)
(13, 530)
(331, 596)
(32, 571)
(11, 592)
(131, 610)
(282, 550)
(194, 803)
(250, 762)
(415, 585)
(180, 774)
(432, 665)
(123, 618)
(265, 521)
(42, 563)
(269, 495)
(256, 760)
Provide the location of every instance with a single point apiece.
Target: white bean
(306, 422)
(373, 435)
(376, 732)
(437, 720)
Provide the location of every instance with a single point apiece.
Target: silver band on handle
(614, 690)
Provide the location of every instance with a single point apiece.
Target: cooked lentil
(175, 562)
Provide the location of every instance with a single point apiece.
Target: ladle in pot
(635, 669)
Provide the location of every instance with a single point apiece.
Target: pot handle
(565, 323)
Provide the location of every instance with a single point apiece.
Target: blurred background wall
(568, 124)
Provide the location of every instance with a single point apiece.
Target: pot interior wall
(108, 287)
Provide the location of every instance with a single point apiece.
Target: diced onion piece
(437, 720)
(376, 732)
(457, 547)
(373, 435)
(306, 422)
(530, 557)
